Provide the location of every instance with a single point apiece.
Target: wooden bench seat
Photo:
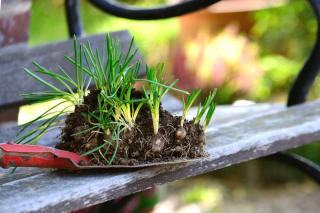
(257, 131)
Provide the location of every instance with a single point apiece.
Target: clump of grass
(157, 91)
(188, 103)
(112, 75)
(209, 115)
(75, 96)
(208, 106)
(181, 131)
(72, 95)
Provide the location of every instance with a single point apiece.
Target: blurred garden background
(248, 49)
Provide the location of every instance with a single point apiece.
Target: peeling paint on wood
(14, 7)
(14, 22)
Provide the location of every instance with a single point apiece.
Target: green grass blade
(209, 115)
(39, 79)
(26, 125)
(163, 85)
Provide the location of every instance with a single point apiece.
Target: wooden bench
(237, 134)
(250, 132)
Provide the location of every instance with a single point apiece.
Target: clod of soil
(138, 146)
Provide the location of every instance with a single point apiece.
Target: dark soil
(138, 146)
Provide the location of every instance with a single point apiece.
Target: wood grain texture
(13, 59)
(224, 115)
(227, 143)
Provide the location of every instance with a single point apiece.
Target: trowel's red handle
(21, 155)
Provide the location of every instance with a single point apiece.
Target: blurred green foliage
(201, 193)
(311, 151)
(206, 196)
(280, 72)
(49, 25)
(286, 35)
(288, 30)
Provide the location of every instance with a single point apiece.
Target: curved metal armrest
(310, 70)
(160, 12)
(300, 163)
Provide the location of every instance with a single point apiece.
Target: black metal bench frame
(299, 89)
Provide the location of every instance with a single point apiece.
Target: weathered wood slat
(227, 144)
(224, 116)
(13, 59)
